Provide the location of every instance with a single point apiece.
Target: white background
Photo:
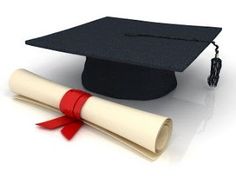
(203, 141)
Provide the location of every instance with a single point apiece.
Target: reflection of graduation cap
(133, 59)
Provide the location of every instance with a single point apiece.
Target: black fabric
(126, 81)
(131, 59)
(107, 39)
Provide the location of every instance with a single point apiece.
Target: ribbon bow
(71, 105)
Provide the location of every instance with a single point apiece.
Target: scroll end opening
(164, 136)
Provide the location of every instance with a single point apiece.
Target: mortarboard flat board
(131, 59)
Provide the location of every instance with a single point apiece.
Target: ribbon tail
(69, 130)
(56, 123)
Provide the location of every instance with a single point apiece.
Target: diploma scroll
(144, 132)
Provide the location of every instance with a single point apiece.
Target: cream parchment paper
(144, 132)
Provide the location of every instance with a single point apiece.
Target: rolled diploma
(145, 132)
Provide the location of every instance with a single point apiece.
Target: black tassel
(216, 65)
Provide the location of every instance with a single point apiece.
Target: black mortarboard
(133, 59)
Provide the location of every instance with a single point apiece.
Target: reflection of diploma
(145, 132)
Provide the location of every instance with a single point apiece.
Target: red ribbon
(71, 105)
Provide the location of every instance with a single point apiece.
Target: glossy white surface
(204, 136)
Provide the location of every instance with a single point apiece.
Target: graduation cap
(133, 59)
